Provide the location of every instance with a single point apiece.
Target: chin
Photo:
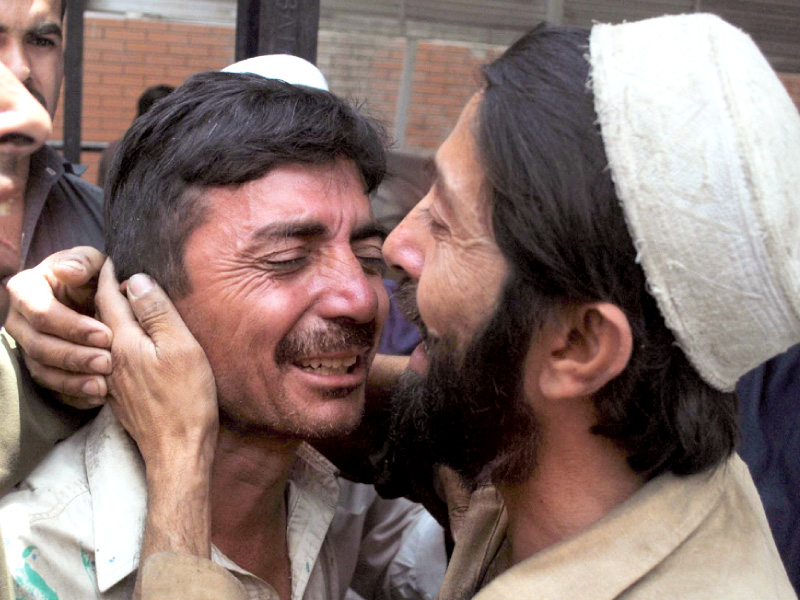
(320, 416)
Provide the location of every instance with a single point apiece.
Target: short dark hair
(219, 129)
(63, 8)
(559, 223)
(152, 95)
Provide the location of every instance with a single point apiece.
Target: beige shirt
(73, 530)
(703, 537)
(26, 417)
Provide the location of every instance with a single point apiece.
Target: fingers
(112, 306)
(76, 390)
(65, 351)
(76, 271)
(154, 311)
(35, 308)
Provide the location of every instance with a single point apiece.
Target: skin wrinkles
(327, 286)
(446, 242)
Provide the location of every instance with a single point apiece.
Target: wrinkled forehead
(325, 198)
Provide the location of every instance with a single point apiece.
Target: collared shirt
(73, 528)
(699, 537)
(61, 210)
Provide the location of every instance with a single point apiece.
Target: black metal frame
(73, 80)
(277, 27)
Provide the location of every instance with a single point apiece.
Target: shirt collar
(46, 167)
(654, 521)
(117, 485)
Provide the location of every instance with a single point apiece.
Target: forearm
(179, 506)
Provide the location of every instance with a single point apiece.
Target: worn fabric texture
(702, 537)
(74, 527)
(702, 140)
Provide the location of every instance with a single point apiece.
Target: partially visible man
(585, 325)
(247, 199)
(24, 126)
(593, 269)
(59, 211)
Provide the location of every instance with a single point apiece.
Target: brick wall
(792, 83)
(122, 57)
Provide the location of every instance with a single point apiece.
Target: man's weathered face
(462, 403)
(24, 126)
(287, 298)
(446, 244)
(31, 46)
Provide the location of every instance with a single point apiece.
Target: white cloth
(703, 143)
(285, 67)
(73, 528)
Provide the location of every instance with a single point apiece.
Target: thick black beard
(468, 411)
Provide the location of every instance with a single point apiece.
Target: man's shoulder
(82, 190)
(56, 481)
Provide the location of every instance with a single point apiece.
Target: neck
(249, 480)
(13, 183)
(579, 478)
(248, 506)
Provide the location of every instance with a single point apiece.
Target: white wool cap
(285, 67)
(703, 142)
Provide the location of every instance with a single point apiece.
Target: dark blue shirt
(770, 426)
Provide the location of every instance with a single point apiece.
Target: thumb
(154, 311)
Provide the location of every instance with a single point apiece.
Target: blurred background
(413, 63)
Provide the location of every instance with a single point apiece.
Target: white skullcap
(703, 142)
(285, 67)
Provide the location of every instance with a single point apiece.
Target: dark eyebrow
(368, 230)
(288, 229)
(311, 229)
(44, 29)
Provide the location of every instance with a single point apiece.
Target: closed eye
(435, 226)
(373, 264)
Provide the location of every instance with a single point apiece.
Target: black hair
(152, 95)
(219, 129)
(560, 225)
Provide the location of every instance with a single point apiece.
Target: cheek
(459, 291)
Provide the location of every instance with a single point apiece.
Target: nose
(24, 124)
(348, 292)
(403, 249)
(15, 59)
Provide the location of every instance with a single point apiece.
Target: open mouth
(329, 365)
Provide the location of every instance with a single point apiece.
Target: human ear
(588, 346)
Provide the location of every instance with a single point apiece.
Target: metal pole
(277, 26)
(248, 13)
(73, 81)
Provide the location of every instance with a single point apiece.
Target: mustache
(405, 298)
(336, 336)
(18, 140)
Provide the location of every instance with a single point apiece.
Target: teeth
(328, 366)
